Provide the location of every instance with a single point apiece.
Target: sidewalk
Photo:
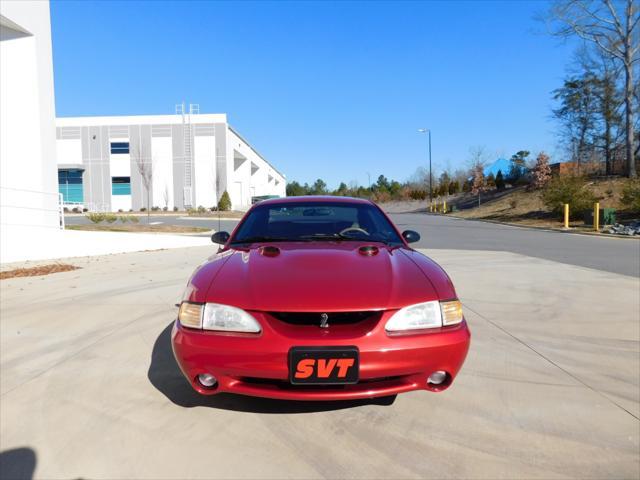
(32, 243)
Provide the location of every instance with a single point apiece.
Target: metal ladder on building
(187, 130)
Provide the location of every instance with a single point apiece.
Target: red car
(319, 298)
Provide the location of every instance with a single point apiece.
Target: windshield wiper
(263, 238)
(341, 236)
(326, 236)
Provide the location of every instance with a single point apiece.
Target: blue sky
(330, 90)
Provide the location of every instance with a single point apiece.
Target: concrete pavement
(550, 389)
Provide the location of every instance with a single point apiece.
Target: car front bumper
(257, 364)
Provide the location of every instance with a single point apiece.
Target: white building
(28, 192)
(192, 159)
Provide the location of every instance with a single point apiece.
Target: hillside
(519, 206)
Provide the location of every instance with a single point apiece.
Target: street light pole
(428, 130)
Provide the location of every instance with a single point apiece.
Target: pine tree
(225, 202)
(500, 180)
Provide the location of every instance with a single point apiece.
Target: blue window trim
(120, 185)
(119, 147)
(70, 185)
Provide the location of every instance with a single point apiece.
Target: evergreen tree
(225, 202)
(500, 180)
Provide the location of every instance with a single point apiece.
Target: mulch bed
(36, 271)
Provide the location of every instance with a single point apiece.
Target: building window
(70, 185)
(119, 147)
(121, 185)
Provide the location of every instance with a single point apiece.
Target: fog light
(207, 380)
(437, 378)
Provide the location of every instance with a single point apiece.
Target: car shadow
(165, 375)
(17, 464)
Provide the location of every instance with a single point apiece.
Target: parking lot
(89, 387)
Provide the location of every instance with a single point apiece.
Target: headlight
(213, 316)
(190, 314)
(228, 319)
(420, 316)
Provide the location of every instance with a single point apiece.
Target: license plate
(324, 365)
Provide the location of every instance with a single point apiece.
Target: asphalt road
(616, 255)
(90, 389)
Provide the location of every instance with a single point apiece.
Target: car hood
(328, 276)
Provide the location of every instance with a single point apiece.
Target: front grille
(335, 318)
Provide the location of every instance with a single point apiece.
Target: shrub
(201, 209)
(75, 210)
(569, 189)
(143, 209)
(214, 209)
(418, 194)
(110, 217)
(85, 210)
(513, 203)
(131, 209)
(164, 209)
(225, 202)
(155, 209)
(123, 218)
(134, 219)
(192, 211)
(631, 195)
(66, 209)
(175, 209)
(119, 210)
(381, 197)
(96, 217)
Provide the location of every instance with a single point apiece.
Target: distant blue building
(500, 164)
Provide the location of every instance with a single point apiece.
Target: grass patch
(138, 228)
(37, 271)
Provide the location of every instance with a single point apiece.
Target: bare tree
(165, 196)
(541, 171)
(611, 25)
(145, 170)
(478, 159)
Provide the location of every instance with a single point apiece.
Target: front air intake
(333, 318)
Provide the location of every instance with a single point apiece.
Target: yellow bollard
(566, 215)
(444, 207)
(596, 216)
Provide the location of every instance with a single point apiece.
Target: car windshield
(316, 221)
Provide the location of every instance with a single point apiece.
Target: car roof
(315, 199)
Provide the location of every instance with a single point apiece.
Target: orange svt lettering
(324, 367)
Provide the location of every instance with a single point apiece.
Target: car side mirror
(220, 237)
(410, 236)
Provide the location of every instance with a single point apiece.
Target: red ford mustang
(319, 298)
